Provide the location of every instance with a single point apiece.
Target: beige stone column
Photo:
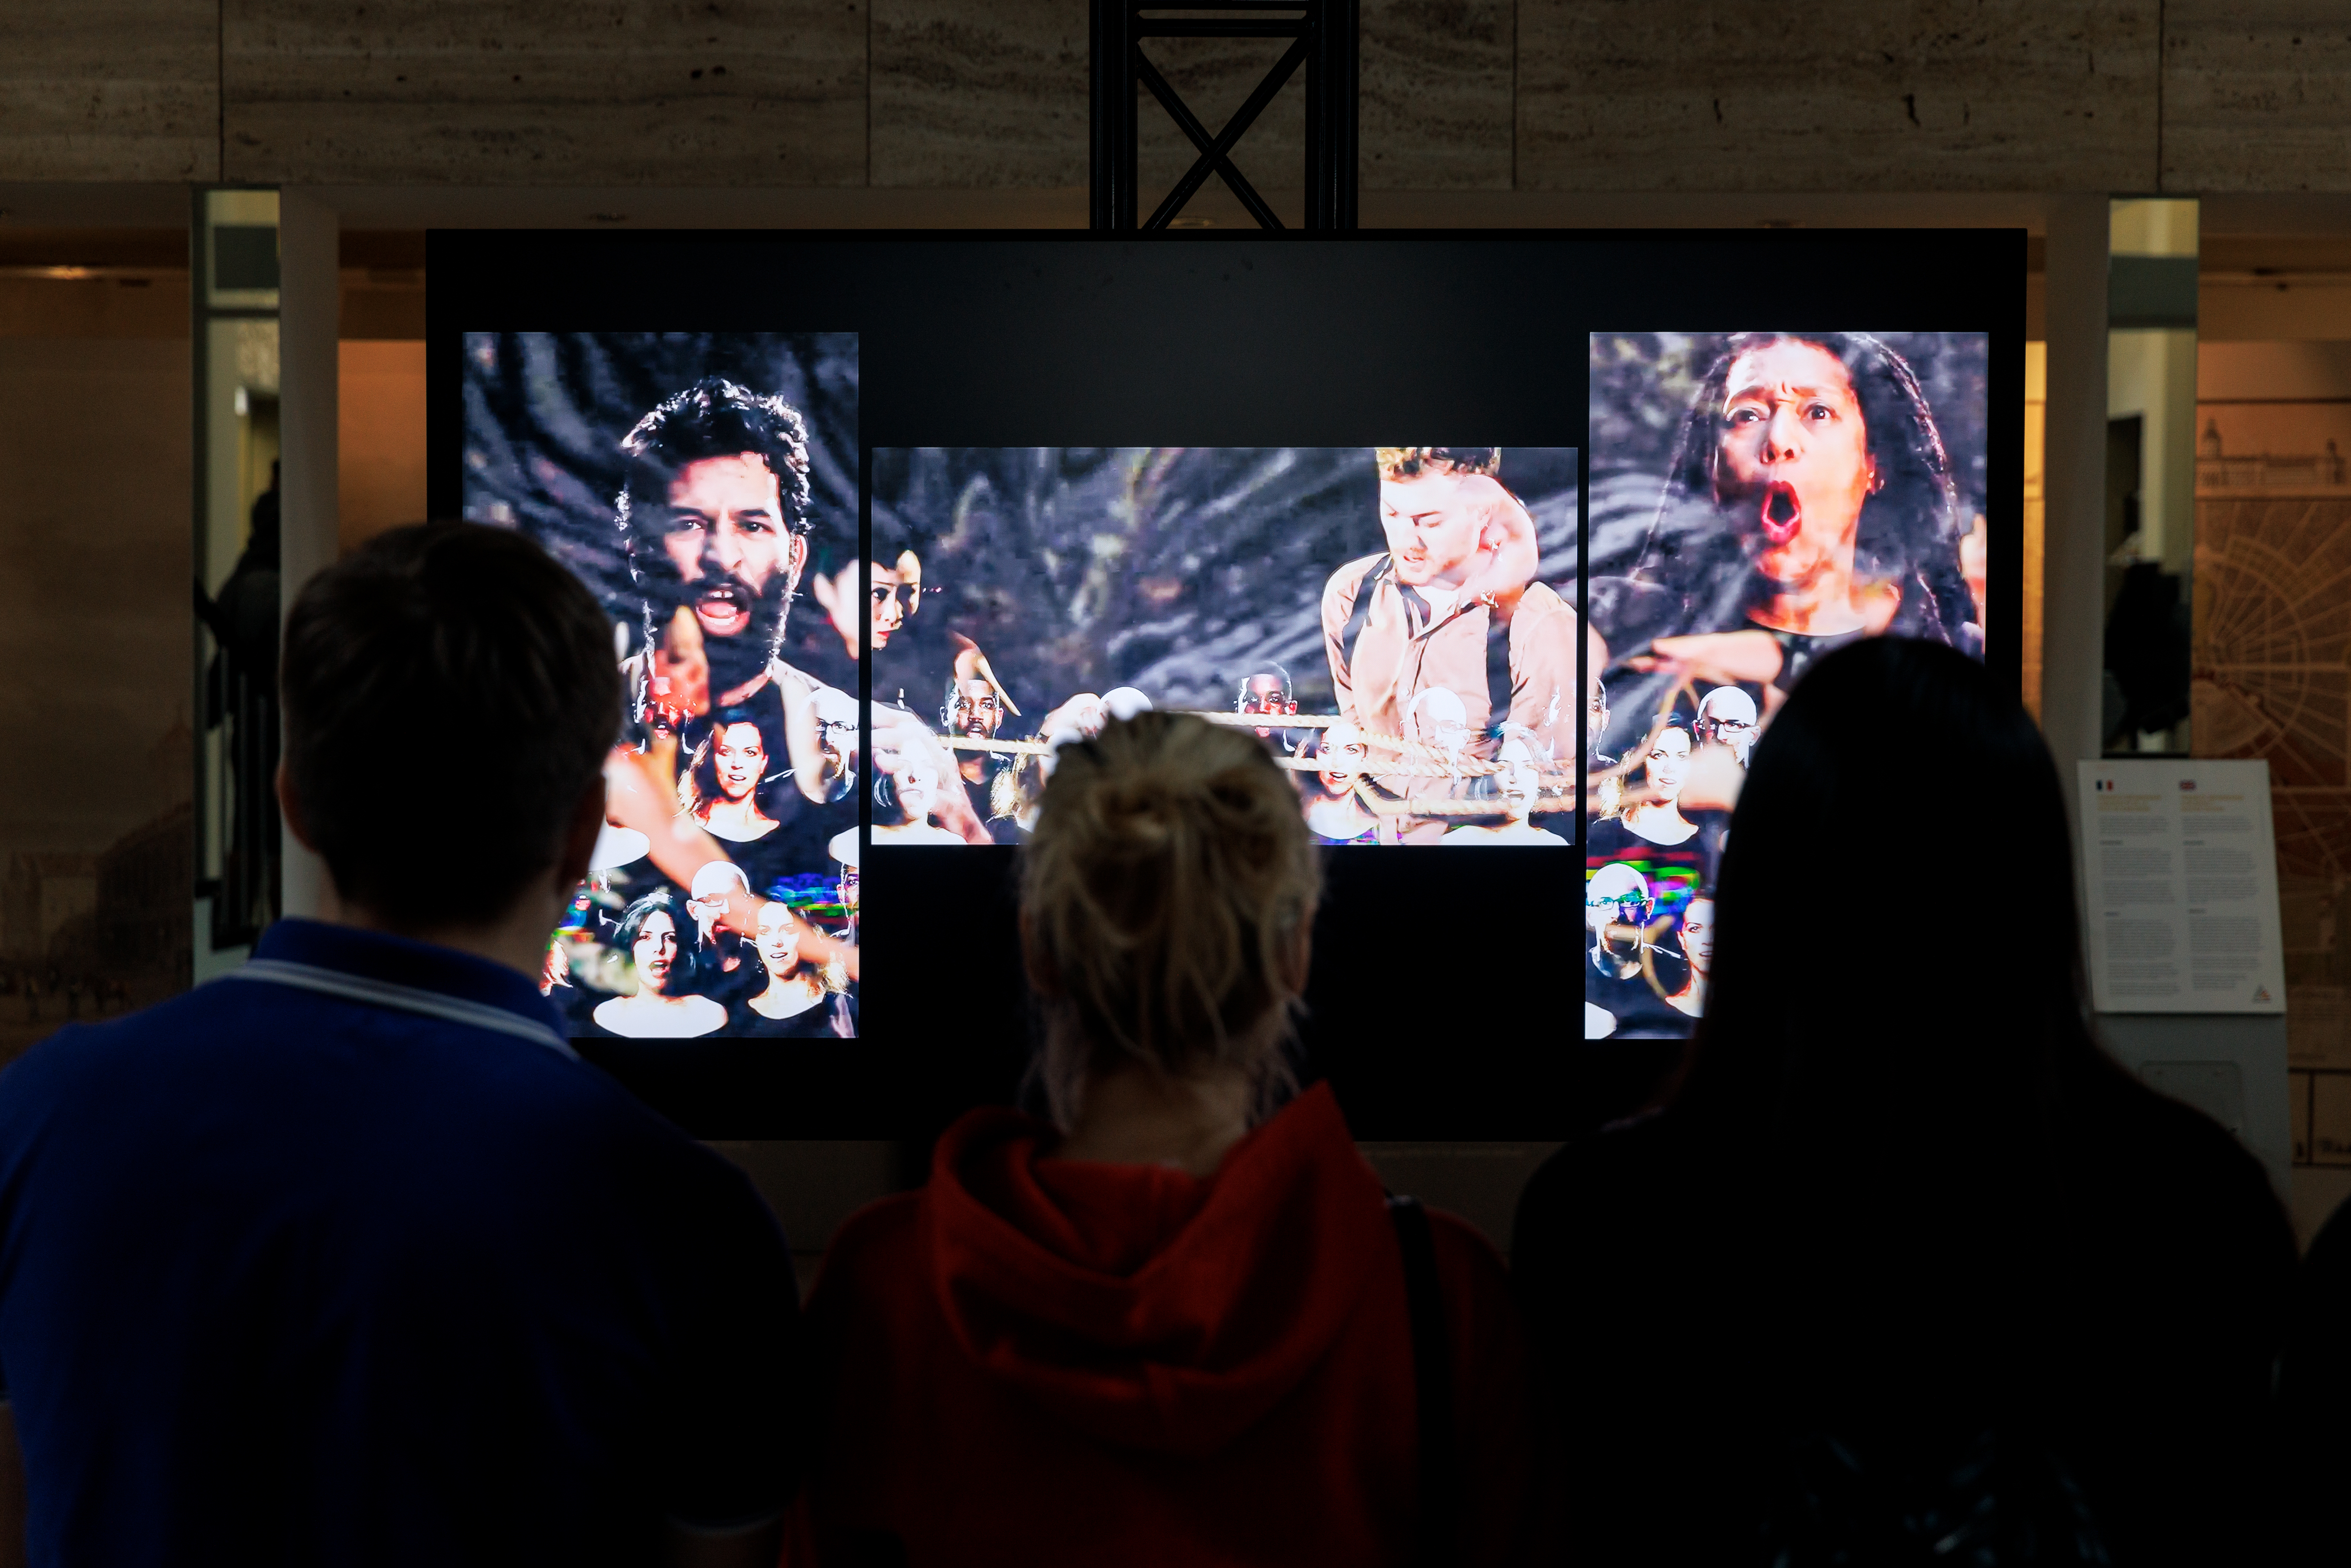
(2075, 458)
(309, 238)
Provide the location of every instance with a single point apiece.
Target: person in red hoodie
(1174, 1323)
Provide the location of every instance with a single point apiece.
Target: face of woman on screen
(1343, 754)
(738, 757)
(1667, 763)
(655, 952)
(1697, 935)
(1791, 462)
(779, 940)
(1521, 786)
(917, 790)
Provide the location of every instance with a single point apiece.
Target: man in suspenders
(1451, 603)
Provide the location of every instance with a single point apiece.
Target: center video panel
(1396, 624)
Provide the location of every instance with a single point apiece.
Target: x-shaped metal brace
(1216, 152)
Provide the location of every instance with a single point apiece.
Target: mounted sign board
(2179, 877)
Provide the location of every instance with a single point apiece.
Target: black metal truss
(1322, 35)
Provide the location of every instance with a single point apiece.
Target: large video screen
(705, 486)
(879, 522)
(1758, 498)
(1396, 624)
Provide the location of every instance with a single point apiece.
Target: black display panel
(1215, 377)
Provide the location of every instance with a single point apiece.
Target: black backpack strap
(1361, 611)
(1500, 687)
(1432, 1370)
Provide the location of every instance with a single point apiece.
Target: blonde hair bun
(1163, 894)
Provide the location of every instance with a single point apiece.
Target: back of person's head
(1165, 896)
(1896, 1062)
(451, 694)
(1895, 910)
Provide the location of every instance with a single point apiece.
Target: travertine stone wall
(1458, 95)
(728, 92)
(110, 89)
(2257, 94)
(1949, 95)
(991, 95)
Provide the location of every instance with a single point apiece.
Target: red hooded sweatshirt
(1038, 1362)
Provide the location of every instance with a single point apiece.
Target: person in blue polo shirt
(346, 1256)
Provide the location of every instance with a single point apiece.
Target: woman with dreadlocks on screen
(1810, 502)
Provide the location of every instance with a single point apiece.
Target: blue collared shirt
(346, 1256)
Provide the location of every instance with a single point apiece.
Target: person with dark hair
(1450, 605)
(1172, 1320)
(1266, 690)
(737, 787)
(1809, 501)
(1907, 1269)
(667, 1004)
(972, 710)
(731, 777)
(1335, 814)
(1650, 812)
(2313, 1388)
(345, 1255)
(894, 593)
(1696, 930)
(1641, 822)
(712, 511)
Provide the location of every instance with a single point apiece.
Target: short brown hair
(1169, 871)
(451, 693)
(1411, 462)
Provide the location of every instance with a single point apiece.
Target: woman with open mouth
(729, 773)
(663, 1007)
(794, 1004)
(1810, 502)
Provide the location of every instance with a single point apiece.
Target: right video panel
(1756, 499)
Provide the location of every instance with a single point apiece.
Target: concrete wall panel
(614, 92)
(992, 95)
(1860, 95)
(1439, 94)
(1459, 95)
(111, 89)
(2256, 96)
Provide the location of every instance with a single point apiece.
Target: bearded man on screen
(714, 515)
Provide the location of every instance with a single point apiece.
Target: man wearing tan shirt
(1450, 604)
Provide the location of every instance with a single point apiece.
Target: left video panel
(704, 487)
